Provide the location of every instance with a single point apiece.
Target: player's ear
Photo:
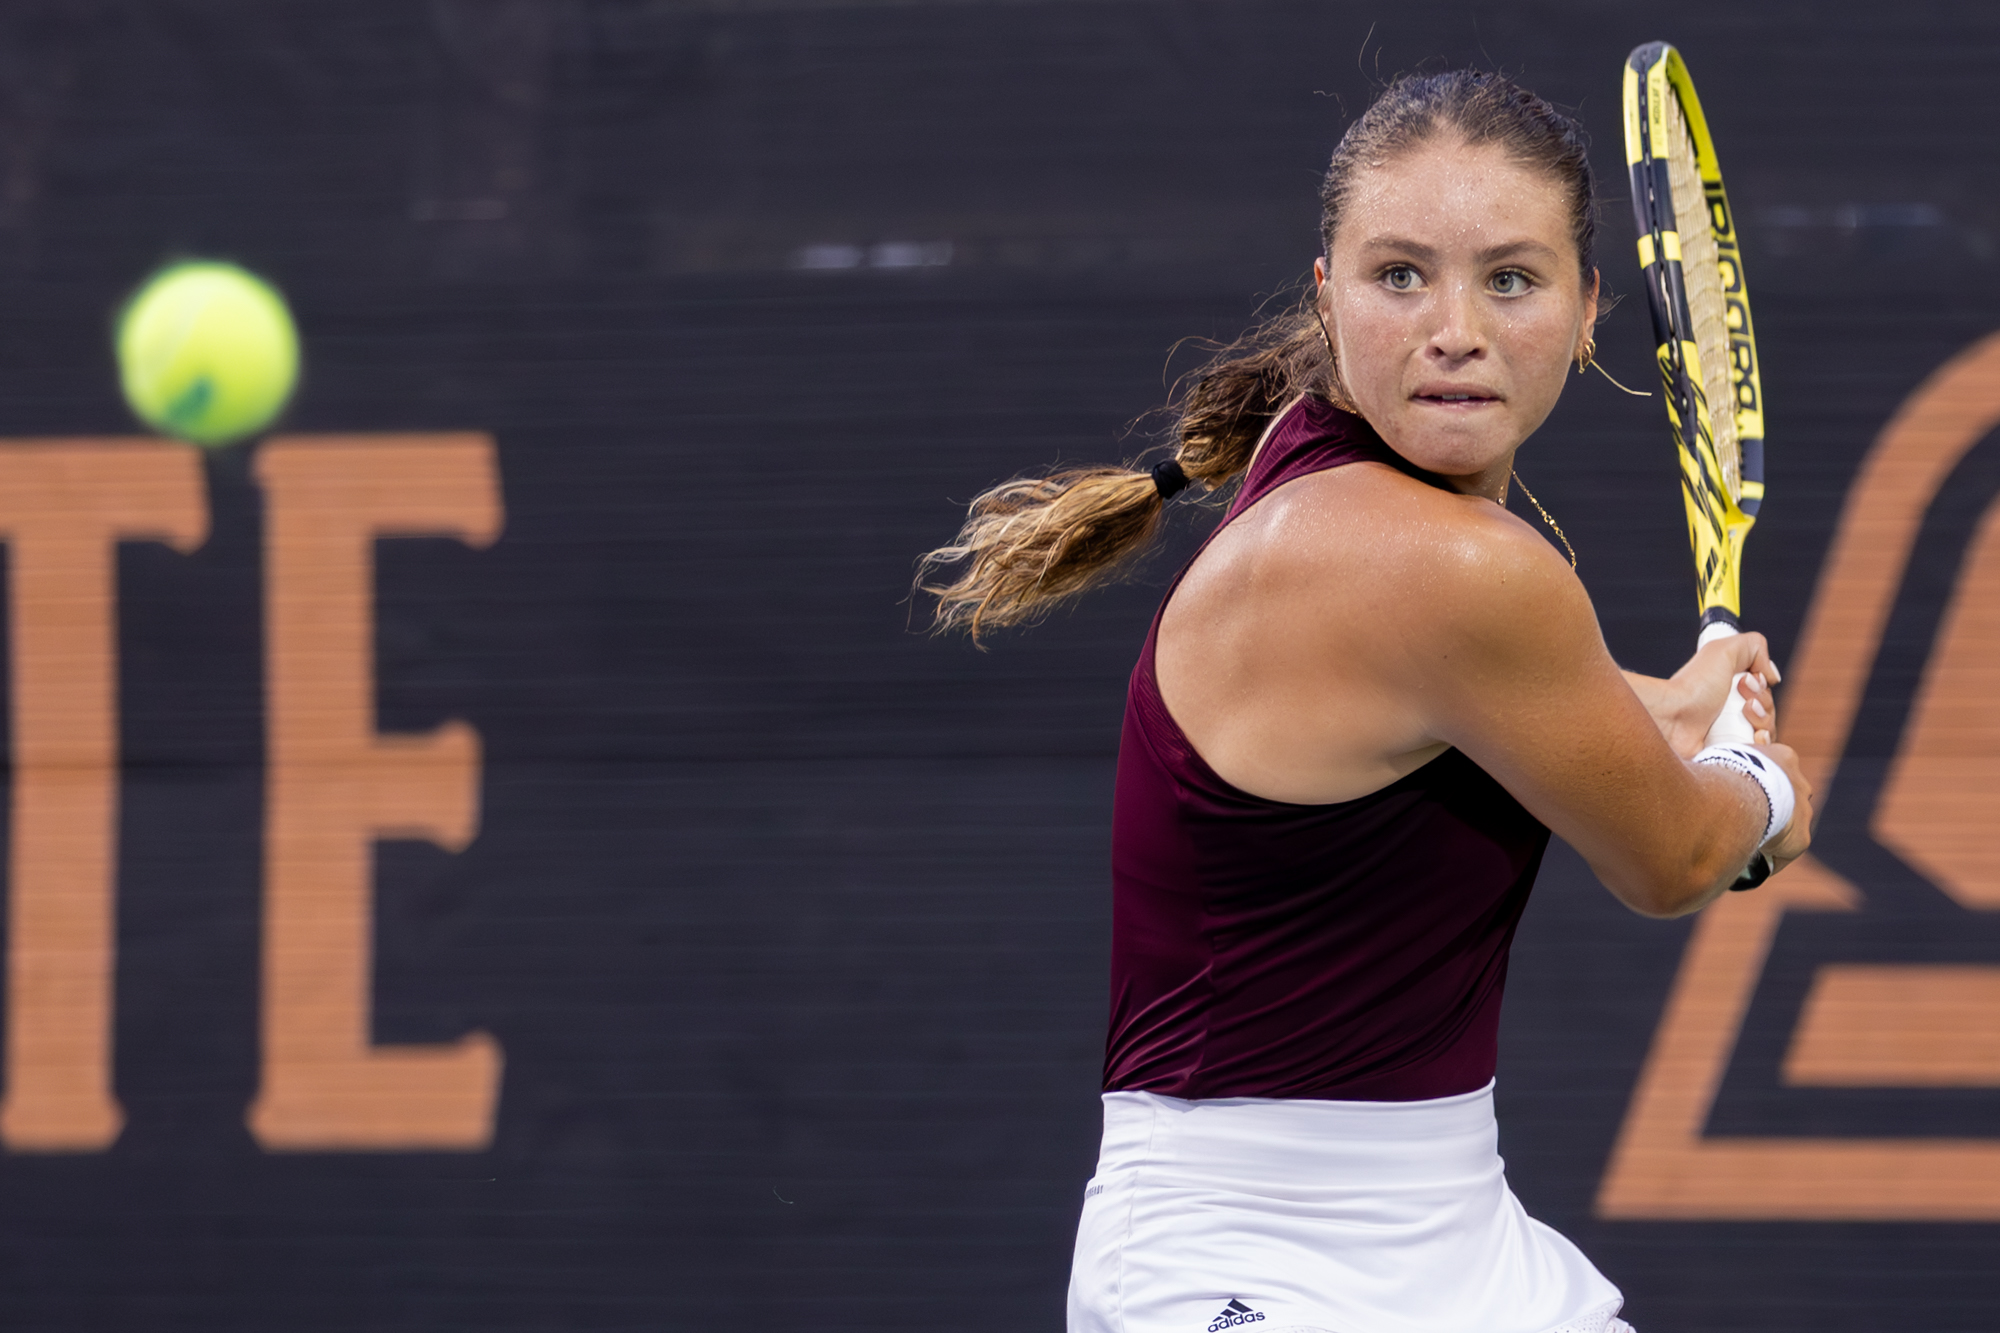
(1319, 274)
(1590, 293)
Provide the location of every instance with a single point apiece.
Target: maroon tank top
(1353, 951)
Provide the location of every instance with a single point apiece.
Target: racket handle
(1713, 630)
(1731, 725)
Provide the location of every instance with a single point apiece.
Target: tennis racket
(1707, 349)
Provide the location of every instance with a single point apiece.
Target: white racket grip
(1715, 629)
(1731, 725)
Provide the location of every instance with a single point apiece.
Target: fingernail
(1776, 674)
(1758, 709)
(1760, 738)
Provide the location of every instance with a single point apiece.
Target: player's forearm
(1655, 694)
(1703, 840)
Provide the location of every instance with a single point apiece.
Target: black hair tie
(1168, 478)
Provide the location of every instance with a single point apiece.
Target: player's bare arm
(1537, 701)
(1438, 619)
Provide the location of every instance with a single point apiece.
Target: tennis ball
(207, 352)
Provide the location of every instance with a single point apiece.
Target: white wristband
(1757, 766)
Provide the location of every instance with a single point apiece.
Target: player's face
(1453, 301)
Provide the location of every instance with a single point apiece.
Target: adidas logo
(1235, 1315)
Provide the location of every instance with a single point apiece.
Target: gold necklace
(1547, 517)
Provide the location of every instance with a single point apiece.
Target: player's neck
(1490, 482)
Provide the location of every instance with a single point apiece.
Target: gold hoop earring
(1336, 392)
(1586, 359)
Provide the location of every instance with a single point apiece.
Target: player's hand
(1687, 707)
(1795, 837)
(1760, 705)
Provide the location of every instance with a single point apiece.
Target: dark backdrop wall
(790, 921)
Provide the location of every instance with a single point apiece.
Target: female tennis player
(1363, 707)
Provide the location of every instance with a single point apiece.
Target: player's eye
(1510, 282)
(1401, 278)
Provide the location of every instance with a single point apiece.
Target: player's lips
(1461, 397)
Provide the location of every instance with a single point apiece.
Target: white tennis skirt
(1283, 1216)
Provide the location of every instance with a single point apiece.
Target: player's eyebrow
(1400, 245)
(1521, 249)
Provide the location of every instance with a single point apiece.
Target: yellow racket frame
(1718, 521)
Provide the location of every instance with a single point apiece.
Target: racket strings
(1701, 273)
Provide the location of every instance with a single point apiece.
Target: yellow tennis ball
(207, 352)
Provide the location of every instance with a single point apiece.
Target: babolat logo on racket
(1234, 1315)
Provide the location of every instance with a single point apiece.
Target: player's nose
(1456, 334)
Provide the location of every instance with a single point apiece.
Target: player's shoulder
(1451, 564)
(1423, 529)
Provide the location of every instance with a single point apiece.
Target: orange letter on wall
(334, 786)
(64, 507)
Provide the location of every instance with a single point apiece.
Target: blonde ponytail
(1031, 542)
